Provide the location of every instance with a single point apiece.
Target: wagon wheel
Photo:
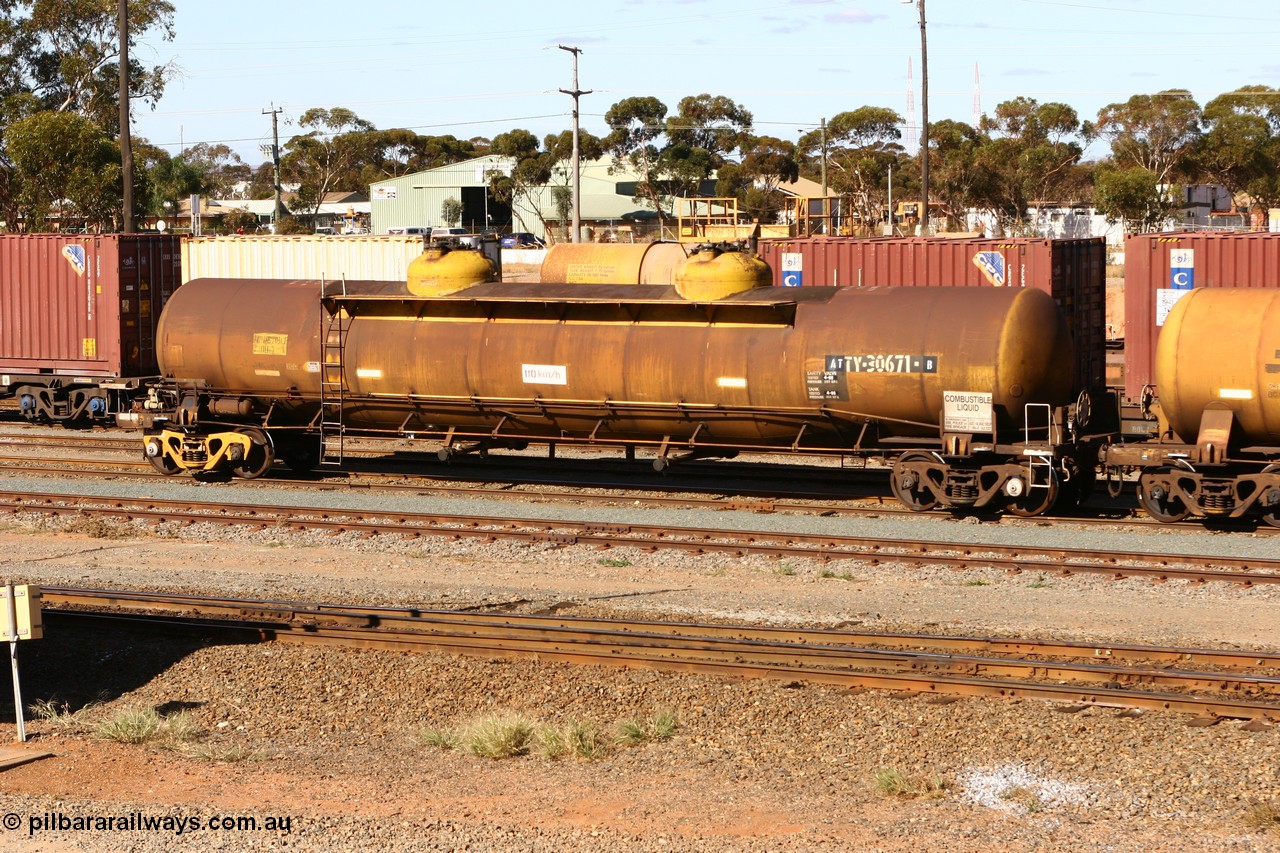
(908, 483)
(260, 456)
(154, 451)
(1155, 493)
(1034, 501)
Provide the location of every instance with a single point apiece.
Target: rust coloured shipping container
(80, 308)
(1073, 272)
(1160, 268)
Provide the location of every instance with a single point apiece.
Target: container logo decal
(966, 411)
(991, 264)
(75, 256)
(544, 374)
(270, 343)
(1182, 269)
(792, 269)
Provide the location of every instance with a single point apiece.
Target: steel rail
(371, 616)
(615, 645)
(825, 548)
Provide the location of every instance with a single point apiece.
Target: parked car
(447, 231)
(522, 240)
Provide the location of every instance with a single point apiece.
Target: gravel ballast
(337, 739)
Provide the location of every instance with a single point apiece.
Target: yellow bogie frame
(172, 451)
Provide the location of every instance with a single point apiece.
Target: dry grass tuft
(895, 783)
(661, 726)
(1264, 816)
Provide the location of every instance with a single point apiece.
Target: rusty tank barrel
(1220, 348)
(638, 360)
(613, 263)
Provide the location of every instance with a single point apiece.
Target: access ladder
(334, 325)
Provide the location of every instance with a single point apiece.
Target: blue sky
(479, 70)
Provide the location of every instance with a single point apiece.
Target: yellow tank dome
(714, 271)
(440, 271)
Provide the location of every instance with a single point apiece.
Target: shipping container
(306, 257)
(83, 305)
(1073, 272)
(1160, 268)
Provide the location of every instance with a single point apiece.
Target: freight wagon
(78, 316)
(1160, 269)
(967, 391)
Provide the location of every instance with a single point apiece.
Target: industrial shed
(416, 199)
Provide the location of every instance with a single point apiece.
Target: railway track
(1242, 685)
(869, 551)
(511, 478)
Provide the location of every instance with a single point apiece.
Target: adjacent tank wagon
(1217, 366)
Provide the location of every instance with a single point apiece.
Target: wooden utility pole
(924, 122)
(577, 191)
(278, 211)
(126, 142)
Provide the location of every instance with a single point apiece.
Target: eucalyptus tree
(1153, 132)
(767, 162)
(960, 176)
(67, 169)
(220, 168)
(66, 53)
(636, 125)
(857, 150)
(1029, 154)
(63, 56)
(532, 169)
(329, 157)
(1240, 144)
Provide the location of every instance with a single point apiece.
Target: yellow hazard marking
(270, 343)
